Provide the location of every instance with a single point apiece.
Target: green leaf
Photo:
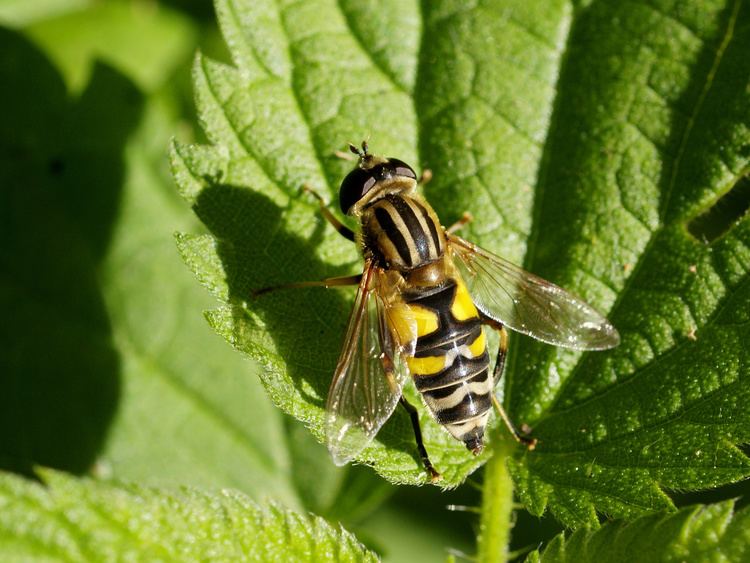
(665, 139)
(276, 120)
(695, 533)
(85, 520)
(584, 139)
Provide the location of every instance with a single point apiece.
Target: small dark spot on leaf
(56, 166)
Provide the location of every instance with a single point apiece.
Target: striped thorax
(402, 232)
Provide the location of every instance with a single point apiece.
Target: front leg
(342, 229)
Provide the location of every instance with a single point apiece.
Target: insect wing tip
(614, 339)
(608, 337)
(338, 460)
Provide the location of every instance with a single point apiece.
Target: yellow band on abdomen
(405, 319)
(427, 321)
(429, 365)
(478, 346)
(463, 307)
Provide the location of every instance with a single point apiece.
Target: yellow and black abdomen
(450, 365)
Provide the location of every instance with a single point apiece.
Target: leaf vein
(238, 24)
(687, 132)
(295, 94)
(263, 165)
(369, 54)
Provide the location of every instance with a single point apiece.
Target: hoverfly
(423, 299)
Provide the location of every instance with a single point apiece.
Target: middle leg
(386, 345)
(330, 282)
(465, 219)
(414, 416)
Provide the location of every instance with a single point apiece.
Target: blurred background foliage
(107, 367)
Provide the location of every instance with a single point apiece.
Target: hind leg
(502, 350)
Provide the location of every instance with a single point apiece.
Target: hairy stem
(497, 509)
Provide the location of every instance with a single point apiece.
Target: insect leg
(343, 230)
(497, 374)
(413, 415)
(424, 177)
(330, 282)
(386, 358)
(465, 219)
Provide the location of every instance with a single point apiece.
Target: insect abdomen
(450, 365)
(403, 232)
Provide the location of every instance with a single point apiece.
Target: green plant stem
(496, 510)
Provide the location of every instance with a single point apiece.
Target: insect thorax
(402, 232)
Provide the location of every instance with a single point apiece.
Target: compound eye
(354, 187)
(400, 168)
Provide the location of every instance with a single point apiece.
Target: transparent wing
(369, 376)
(528, 304)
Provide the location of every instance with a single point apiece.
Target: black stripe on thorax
(416, 232)
(431, 225)
(394, 234)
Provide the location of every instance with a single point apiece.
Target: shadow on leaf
(61, 175)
